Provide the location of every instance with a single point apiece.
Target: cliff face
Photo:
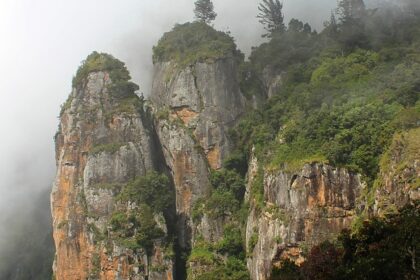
(102, 144)
(110, 141)
(195, 107)
(300, 209)
(398, 182)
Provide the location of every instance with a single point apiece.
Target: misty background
(42, 45)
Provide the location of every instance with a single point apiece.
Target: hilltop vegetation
(121, 86)
(341, 100)
(194, 42)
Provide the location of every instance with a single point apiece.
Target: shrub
(194, 42)
(121, 86)
(221, 203)
(225, 179)
(231, 244)
(148, 230)
(110, 148)
(152, 189)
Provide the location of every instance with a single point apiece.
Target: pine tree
(331, 27)
(204, 11)
(271, 16)
(352, 15)
(350, 11)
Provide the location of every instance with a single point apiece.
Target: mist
(43, 43)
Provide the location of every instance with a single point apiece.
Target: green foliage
(285, 49)
(233, 269)
(204, 11)
(344, 114)
(110, 148)
(96, 265)
(66, 105)
(226, 179)
(137, 229)
(253, 240)
(118, 220)
(95, 62)
(340, 70)
(231, 244)
(152, 189)
(148, 230)
(380, 249)
(271, 16)
(194, 42)
(221, 203)
(226, 197)
(257, 188)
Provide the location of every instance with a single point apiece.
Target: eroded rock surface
(300, 209)
(195, 108)
(102, 144)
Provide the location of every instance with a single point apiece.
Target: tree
(331, 27)
(350, 11)
(352, 15)
(204, 11)
(271, 16)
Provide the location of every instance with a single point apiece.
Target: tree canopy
(271, 16)
(204, 11)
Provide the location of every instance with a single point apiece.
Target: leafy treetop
(271, 16)
(194, 42)
(120, 77)
(204, 11)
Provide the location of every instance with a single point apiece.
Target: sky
(43, 43)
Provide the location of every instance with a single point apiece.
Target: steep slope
(299, 210)
(196, 102)
(105, 141)
(399, 178)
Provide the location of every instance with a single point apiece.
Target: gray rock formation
(102, 144)
(195, 108)
(300, 209)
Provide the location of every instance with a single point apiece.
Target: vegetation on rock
(121, 86)
(194, 42)
(381, 249)
(150, 196)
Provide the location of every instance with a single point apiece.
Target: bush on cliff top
(120, 77)
(194, 42)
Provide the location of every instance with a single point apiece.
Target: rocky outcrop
(195, 107)
(398, 182)
(300, 209)
(205, 97)
(272, 81)
(103, 142)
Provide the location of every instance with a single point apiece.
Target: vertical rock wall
(300, 209)
(195, 107)
(101, 145)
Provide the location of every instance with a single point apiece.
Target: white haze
(42, 44)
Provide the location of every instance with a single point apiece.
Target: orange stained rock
(213, 157)
(183, 168)
(185, 114)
